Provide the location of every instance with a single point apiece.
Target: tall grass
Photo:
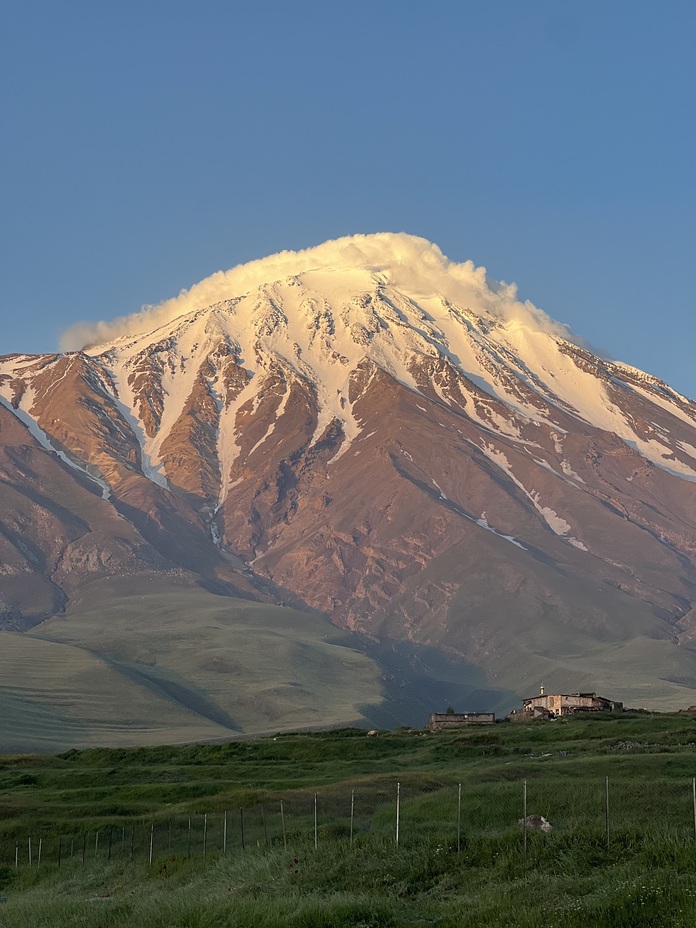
(642, 873)
(559, 882)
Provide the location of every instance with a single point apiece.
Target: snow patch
(569, 472)
(149, 470)
(438, 488)
(556, 523)
(483, 522)
(45, 442)
(272, 425)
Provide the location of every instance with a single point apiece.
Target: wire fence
(392, 813)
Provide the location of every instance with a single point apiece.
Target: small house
(440, 720)
(554, 705)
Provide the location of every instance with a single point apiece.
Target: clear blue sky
(148, 143)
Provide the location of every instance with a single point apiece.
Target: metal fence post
(459, 819)
(205, 835)
(188, 840)
(38, 862)
(241, 822)
(282, 824)
(524, 815)
(315, 822)
(30, 852)
(693, 793)
(606, 808)
(352, 814)
(152, 841)
(398, 811)
(224, 834)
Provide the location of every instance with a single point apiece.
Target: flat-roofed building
(554, 705)
(439, 720)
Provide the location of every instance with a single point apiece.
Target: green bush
(7, 877)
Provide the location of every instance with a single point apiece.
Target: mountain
(375, 434)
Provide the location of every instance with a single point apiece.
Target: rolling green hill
(153, 668)
(128, 666)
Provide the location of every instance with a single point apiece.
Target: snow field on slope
(558, 525)
(391, 298)
(307, 322)
(45, 442)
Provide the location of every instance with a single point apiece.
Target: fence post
(16, 856)
(30, 852)
(282, 823)
(459, 819)
(111, 829)
(398, 811)
(188, 841)
(265, 826)
(96, 844)
(315, 822)
(524, 815)
(132, 847)
(205, 835)
(224, 835)
(38, 863)
(60, 849)
(152, 841)
(693, 792)
(84, 848)
(241, 822)
(169, 836)
(352, 814)
(606, 808)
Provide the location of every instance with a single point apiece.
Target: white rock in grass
(536, 822)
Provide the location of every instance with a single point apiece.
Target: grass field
(55, 695)
(128, 667)
(633, 864)
(166, 668)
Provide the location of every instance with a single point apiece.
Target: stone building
(551, 706)
(439, 720)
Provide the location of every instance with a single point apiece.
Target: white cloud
(406, 261)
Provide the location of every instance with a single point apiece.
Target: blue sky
(147, 144)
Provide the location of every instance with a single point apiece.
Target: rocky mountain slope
(378, 433)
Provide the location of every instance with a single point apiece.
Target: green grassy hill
(126, 666)
(150, 668)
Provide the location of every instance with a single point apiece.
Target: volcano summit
(369, 431)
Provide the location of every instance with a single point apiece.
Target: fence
(392, 813)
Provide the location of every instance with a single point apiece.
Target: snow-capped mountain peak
(317, 318)
(397, 441)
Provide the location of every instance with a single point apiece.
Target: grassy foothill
(148, 668)
(301, 829)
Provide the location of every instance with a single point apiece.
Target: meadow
(338, 828)
(154, 668)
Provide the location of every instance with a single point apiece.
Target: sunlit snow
(398, 302)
